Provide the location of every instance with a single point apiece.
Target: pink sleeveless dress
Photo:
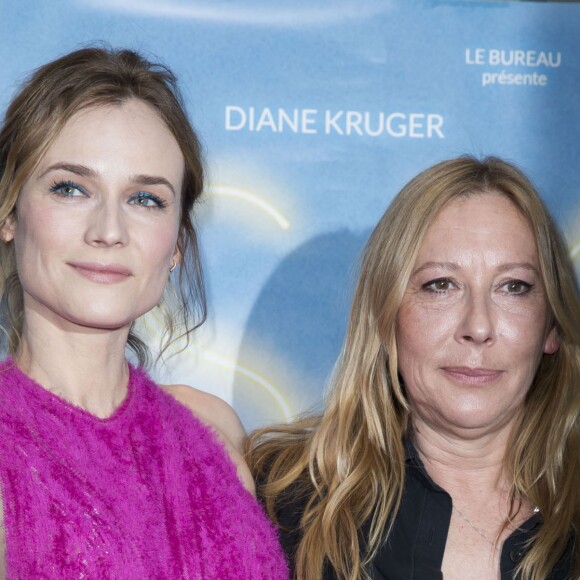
(146, 493)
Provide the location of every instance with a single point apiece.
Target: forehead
(131, 131)
(487, 225)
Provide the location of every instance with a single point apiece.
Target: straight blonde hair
(348, 464)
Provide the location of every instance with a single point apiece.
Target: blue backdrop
(314, 113)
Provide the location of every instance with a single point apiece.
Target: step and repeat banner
(313, 114)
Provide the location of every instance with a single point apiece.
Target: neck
(462, 465)
(86, 367)
(472, 471)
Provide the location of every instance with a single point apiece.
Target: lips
(472, 376)
(102, 273)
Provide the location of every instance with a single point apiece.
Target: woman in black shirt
(449, 445)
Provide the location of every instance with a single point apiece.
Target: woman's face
(474, 323)
(97, 222)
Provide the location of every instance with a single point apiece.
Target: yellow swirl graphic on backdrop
(253, 199)
(251, 375)
(153, 323)
(575, 250)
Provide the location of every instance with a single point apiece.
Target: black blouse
(414, 550)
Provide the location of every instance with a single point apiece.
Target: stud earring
(173, 264)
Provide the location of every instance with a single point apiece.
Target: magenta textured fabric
(145, 493)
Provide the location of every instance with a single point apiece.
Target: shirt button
(516, 555)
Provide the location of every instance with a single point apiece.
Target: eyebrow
(453, 267)
(152, 180)
(84, 171)
(516, 265)
(75, 168)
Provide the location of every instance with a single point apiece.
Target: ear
(8, 228)
(552, 342)
(177, 256)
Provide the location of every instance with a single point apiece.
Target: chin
(101, 325)
(104, 320)
(476, 423)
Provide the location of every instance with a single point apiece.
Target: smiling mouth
(472, 376)
(102, 273)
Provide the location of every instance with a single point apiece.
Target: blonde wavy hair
(348, 464)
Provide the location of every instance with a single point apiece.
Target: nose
(107, 225)
(476, 324)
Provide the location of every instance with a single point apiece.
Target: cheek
(523, 332)
(36, 234)
(421, 331)
(158, 246)
(512, 331)
(415, 345)
(44, 224)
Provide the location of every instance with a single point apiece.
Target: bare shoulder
(220, 416)
(211, 410)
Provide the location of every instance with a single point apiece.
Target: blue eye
(148, 200)
(67, 189)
